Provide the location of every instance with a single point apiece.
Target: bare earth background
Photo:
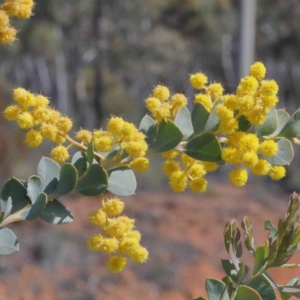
(183, 233)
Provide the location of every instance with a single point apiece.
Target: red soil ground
(183, 233)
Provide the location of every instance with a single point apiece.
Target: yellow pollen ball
(109, 245)
(204, 100)
(215, 90)
(178, 181)
(113, 207)
(231, 155)
(152, 104)
(178, 101)
(83, 136)
(139, 254)
(115, 126)
(25, 120)
(269, 147)
(97, 217)
(261, 168)
(60, 154)
(4, 19)
(137, 149)
(238, 177)
(247, 87)
(127, 244)
(161, 92)
(198, 80)
(197, 170)
(277, 172)
(7, 35)
(258, 70)
(23, 97)
(11, 112)
(268, 87)
(210, 166)
(170, 166)
(230, 101)
(41, 101)
(171, 154)
(33, 138)
(40, 115)
(250, 159)
(94, 242)
(116, 264)
(198, 185)
(229, 126)
(64, 124)
(140, 164)
(49, 131)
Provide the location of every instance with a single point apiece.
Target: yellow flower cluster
(13, 8)
(119, 239)
(185, 171)
(163, 106)
(119, 135)
(253, 99)
(246, 150)
(32, 113)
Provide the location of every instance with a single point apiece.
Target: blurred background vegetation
(97, 58)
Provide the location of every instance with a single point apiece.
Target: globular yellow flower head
(161, 92)
(258, 70)
(198, 80)
(269, 147)
(204, 100)
(116, 264)
(178, 101)
(98, 217)
(139, 254)
(23, 97)
(41, 101)
(261, 168)
(140, 164)
(238, 177)
(277, 172)
(215, 90)
(198, 185)
(7, 35)
(25, 120)
(268, 88)
(115, 126)
(247, 87)
(49, 131)
(171, 154)
(178, 181)
(33, 138)
(60, 154)
(64, 124)
(170, 166)
(84, 136)
(103, 140)
(4, 19)
(152, 104)
(11, 112)
(113, 207)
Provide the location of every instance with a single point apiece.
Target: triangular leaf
(56, 213)
(184, 123)
(8, 242)
(121, 181)
(205, 147)
(67, 180)
(168, 137)
(48, 170)
(93, 183)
